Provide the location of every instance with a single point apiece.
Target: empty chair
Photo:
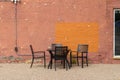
(61, 53)
(81, 52)
(37, 55)
(51, 50)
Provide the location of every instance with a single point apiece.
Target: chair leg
(63, 63)
(87, 61)
(32, 62)
(70, 59)
(55, 64)
(82, 60)
(77, 61)
(44, 62)
(66, 65)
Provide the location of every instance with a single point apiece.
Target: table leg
(51, 64)
(68, 64)
(48, 65)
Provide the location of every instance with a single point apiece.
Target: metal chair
(61, 53)
(83, 50)
(37, 55)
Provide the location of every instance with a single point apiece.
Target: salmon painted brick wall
(37, 19)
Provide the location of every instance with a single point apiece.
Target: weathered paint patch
(72, 34)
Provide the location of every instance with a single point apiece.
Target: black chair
(61, 53)
(51, 50)
(82, 52)
(37, 55)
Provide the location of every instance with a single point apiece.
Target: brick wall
(37, 19)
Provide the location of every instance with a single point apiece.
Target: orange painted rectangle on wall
(72, 34)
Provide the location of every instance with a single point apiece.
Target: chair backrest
(31, 48)
(61, 51)
(82, 48)
(54, 45)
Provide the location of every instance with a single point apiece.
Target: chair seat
(60, 58)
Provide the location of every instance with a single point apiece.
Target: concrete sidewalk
(92, 72)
